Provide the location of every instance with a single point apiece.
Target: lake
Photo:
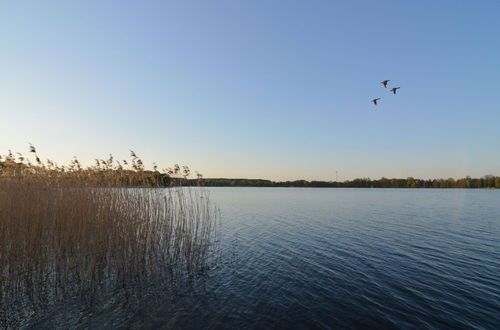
(339, 258)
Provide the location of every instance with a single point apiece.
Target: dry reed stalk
(74, 232)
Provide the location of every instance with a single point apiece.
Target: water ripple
(347, 258)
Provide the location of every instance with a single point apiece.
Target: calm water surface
(343, 258)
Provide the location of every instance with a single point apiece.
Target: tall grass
(78, 232)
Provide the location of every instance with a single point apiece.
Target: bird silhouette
(385, 83)
(395, 89)
(375, 101)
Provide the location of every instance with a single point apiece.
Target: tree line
(488, 181)
(104, 173)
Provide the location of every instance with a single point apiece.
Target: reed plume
(70, 231)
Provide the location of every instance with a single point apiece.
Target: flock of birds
(385, 83)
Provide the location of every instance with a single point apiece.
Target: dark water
(342, 258)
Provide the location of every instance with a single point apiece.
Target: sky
(268, 89)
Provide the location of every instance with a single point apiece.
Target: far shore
(486, 182)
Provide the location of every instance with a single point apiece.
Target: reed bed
(79, 232)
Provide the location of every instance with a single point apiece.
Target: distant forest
(105, 174)
(488, 181)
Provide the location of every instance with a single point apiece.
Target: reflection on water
(323, 258)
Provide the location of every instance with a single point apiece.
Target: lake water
(342, 258)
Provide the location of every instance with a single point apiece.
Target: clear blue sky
(256, 89)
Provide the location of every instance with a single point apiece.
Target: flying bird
(395, 89)
(385, 83)
(375, 101)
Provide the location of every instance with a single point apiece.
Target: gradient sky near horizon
(256, 89)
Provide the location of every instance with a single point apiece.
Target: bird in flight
(385, 83)
(395, 89)
(375, 101)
